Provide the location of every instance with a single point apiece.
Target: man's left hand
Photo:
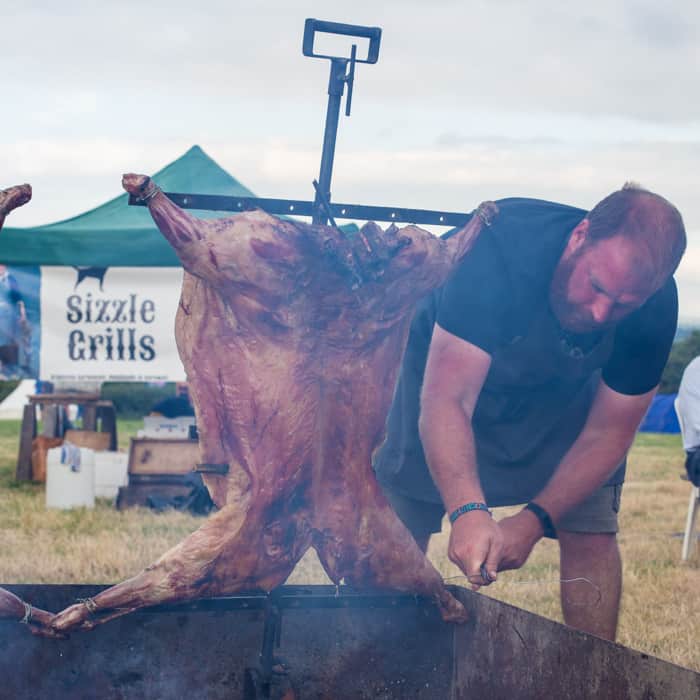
(520, 534)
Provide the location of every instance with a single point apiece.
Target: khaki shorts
(597, 514)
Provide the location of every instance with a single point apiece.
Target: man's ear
(579, 236)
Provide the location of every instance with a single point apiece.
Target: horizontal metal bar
(208, 468)
(284, 597)
(300, 207)
(184, 478)
(298, 598)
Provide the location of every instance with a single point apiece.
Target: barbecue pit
(320, 642)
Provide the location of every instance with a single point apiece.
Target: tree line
(682, 352)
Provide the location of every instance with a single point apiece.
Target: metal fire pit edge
(332, 644)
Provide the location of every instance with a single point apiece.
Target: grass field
(661, 597)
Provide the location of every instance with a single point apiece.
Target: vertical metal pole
(336, 87)
(273, 620)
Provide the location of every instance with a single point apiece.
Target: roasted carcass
(291, 336)
(12, 607)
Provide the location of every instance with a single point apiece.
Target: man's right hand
(476, 540)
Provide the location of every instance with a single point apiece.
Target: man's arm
(607, 435)
(454, 375)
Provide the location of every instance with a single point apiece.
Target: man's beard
(571, 317)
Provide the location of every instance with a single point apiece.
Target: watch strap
(543, 516)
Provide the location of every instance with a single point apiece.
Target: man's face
(597, 284)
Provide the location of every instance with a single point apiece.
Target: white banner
(113, 324)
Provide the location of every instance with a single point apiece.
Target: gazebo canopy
(116, 234)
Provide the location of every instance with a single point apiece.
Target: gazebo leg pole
(27, 435)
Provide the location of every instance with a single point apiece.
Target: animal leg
(363, 541)
(231, 552)
(39, 621)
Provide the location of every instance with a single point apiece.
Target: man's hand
(520, 534)
(476, 540)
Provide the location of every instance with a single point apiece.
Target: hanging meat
(291, 336)
(13, 197)
(12, 607)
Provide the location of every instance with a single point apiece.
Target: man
(688, 406)
(524, 380)
(175, 406)
(15, 331)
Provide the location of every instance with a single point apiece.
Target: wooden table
(94, 408)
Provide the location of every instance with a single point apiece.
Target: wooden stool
(94, 409)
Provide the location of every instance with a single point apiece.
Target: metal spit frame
(321, 209)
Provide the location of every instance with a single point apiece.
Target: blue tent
(661, 416)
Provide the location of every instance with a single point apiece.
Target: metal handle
(311, 26)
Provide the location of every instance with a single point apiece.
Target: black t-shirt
(534, 401)
(494, 293)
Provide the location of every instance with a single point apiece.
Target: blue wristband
(466, 508)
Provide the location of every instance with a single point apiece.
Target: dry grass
(661, 598)
(101, 545)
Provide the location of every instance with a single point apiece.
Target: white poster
(110, 324)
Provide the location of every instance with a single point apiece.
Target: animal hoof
(139, 186)
(70, 618)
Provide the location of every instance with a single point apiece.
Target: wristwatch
(543, 516)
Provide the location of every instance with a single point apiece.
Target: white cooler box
(111, 472)
(162, 428)
(70, 477)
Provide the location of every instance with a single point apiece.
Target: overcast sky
(469, 101)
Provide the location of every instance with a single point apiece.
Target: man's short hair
(645, 217)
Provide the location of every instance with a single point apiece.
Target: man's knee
(591, 581)
(583, 546)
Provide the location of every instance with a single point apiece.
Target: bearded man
(524, 380)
